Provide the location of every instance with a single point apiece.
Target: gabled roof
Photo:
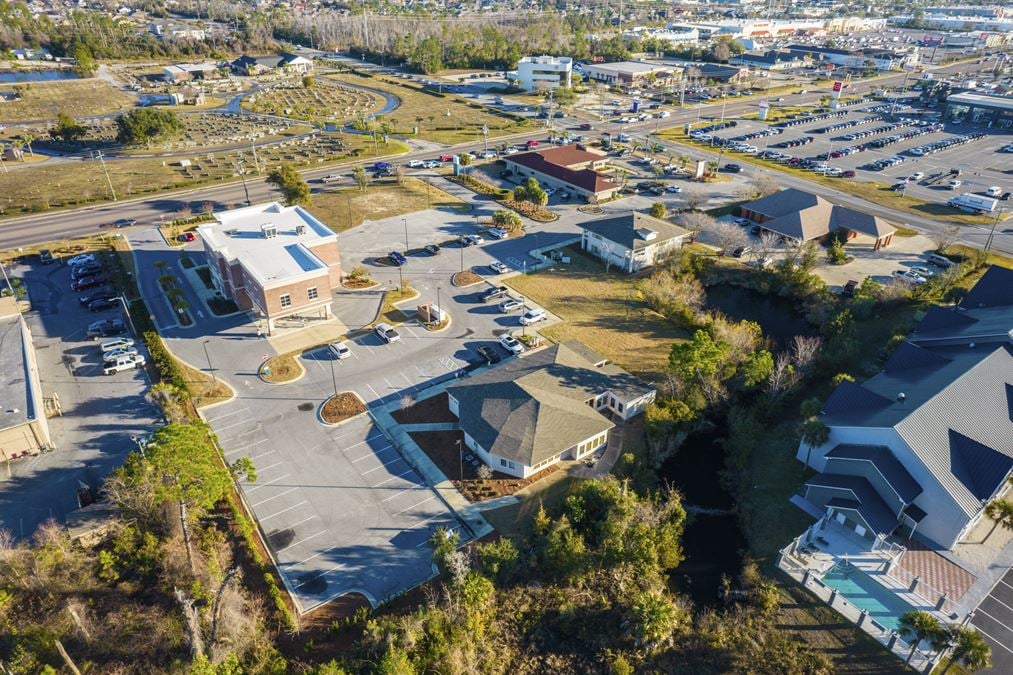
(533, 408)
(860, 496)
(909, 356)
(943, 319)
(802, 215)
(585, 179)
(849, 398)
(889, 467)
(630, 230)
(994, 289)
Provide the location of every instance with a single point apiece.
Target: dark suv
(493, 293)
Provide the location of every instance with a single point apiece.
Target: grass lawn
(514, 521)
(430, 112)
(993, 258)
(602, 310)
(325, 101)
(876, 192)
(204, 389)
(77, 98)
(349, 207)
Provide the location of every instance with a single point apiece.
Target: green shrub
(168, 370)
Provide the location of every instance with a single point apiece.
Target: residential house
(633, 241)
(801, 216)
(554, 404)
(23, 426)
(574, 168)
(10, 96)
(285, 61)
(924, 445)
(178, 31)
(278, 261)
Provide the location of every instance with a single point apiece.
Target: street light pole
(991, 234)
(334, 380)
(405, 221)
(460, 457)
(214, 378)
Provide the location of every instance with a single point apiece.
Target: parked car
(339, 350)
(849, 288)
(82, 271)
(954, 184)
(488, 354)
(511, 305)
(994, 191)
(128, 362)
(82, 259)
(101, 305)
(106, 328)
(511, 344)
(909, 276)
(431, 249)
(387, 333)
(499, 268)
(474, 238)
(497, 233)
(116, 343)
(45, 256)
(415, 164)
(87, 282)
(533, 316)
(916, 176)
(495, 292)
(740, 251)
(86, 300)
(742, 222)
(115, 354)
(397, 258)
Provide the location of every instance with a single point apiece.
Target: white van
(116, 343)
(939, 261)
(127, 362)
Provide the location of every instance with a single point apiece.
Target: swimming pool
(856, 587)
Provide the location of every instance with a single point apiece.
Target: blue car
(397, 258)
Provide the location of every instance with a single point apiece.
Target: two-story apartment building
(276, 260)
(924, 445)
(555, 404)
(632, 241)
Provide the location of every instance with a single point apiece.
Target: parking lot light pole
(460, 457)
(214, 378)
(405, 221)
(334, 380)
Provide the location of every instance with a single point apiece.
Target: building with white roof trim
(278, 261)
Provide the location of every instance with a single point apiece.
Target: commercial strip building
(628, 73)
(568, 167)
(278, 261)
(23, 426)
(542, 72)
(980, 109)
(185, 72)
(857, 59)
(801, 216)
(633, 241)
(257, 65)
(555, 404)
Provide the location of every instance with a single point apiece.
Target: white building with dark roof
(632, 241)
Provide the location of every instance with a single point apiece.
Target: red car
(446, 158)
(187, 236)
(532, 144)
(848, 174)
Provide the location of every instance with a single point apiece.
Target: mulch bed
(441, 447)
(465, 278)
(342, 407)
(432, 409)
(358, 283)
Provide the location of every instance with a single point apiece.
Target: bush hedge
(168, 370)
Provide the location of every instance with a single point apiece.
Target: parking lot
(994, 619)
(102, 414)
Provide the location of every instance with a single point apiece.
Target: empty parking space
(341, 509)
(994, 619)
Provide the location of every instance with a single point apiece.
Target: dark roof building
(570, 167)
(632, 241)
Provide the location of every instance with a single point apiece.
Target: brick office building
(278, 261)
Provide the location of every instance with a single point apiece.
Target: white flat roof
(239, 236)
(629, 67)
(1003, 102)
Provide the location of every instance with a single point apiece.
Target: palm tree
(28, 139)
(917, 625)
(970, 650)
(814, 434)
(1000, 511)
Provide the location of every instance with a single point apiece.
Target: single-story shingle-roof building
(568, 167)
(802, 216)
(632, 241)
(553, 404)
(254, 65)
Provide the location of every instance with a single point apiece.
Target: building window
(311, 293)
(619, 407)
(285, 299)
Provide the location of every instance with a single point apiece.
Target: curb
(333, 425)
(301, 375)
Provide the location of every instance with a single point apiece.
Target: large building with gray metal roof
(924, 445)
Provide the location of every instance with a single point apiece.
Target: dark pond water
(712, 544)
(775, 315)
(37, 76)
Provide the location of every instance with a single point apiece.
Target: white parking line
(280, 494)
(389, 385)
(262, 485)
(372, 454)
(374, 391)
(315, 555)
(301, 541)
(322, 574)
(295, 525)
(413, 333)
(419, 504)
(235, 424)
(978, 628)
(410, 383)
(409, 489)
(294, 506)
(1000, 602)
(373, 438)
(221, 417)
(262, 469)
(996, 619)
(393, 478)
(382, 466)
(263, 454)
(247, 446)
(350, 433)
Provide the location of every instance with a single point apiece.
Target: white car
(673, 189)
(994, 191)
(331, 178)
(497, 233)
(510, 305)
(533, 316)
(416, 164)
(954, 184)
(489, 154)
(915, 177)
(475, 239)
(432, 164)
(511, 151)
(387, 333)
(511, 344)
(115, 343)
(127, 362)
(499, 268)
(663, 114)
(910, 276)
(339, 350)
(114, 354)
(82, 259)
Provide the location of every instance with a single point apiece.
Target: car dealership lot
(102, 414)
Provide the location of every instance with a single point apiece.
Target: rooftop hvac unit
(269, 230)
(300, 229)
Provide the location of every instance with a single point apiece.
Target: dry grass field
(603, 311)
(349, 207)
(77, 98)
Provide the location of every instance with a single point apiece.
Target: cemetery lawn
(77, 98)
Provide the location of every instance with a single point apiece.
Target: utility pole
(485, 136)
(365, 24)
(102, 159)
(405, 221)
(991, 234)
(256, 162)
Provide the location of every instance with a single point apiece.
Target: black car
(45, 256)
(432, 249)
(101, 305)
(741, 251)
(125, 222)
(732, 168)
(488, 354)
(87, 282)
(82, 271)
(106, 327)
(495, 292)
(86, 300)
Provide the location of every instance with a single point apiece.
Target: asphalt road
(29, 230)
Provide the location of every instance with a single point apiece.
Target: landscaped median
(875, 192)
(341, 407)
(281, 369)
(505, 197)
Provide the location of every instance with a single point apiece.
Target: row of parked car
(944, 144)
(848, 125)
